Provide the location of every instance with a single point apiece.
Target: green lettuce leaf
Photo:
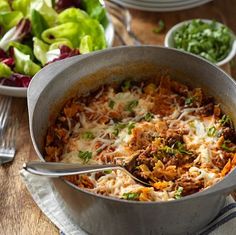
(40, 50)
(21, 5)
(56, 45)
(94, 9)
(4, 6)
(70, 31)
(10, 19)
(23, 48)
(24, 65)
(5, 71)
(50, 3)
(46, 11)
(96, 31)
(72, 15)
(44, 7)
(38, 23)
(87, 27)
(86, 44)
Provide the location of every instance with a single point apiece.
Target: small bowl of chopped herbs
(206, 38)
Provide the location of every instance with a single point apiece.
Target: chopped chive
(168, 150)
(160, 27)
(211, 41)
(178, 193)
(126, 85)
(148, 117)
(131, 105)
(224, 120)
(180, 148)
(225, 147)
(118, 127)
(130, 196)
(88, 135)
(111, 103)
(85, 155)
(130, 127)
(189, 100)
(211, 131)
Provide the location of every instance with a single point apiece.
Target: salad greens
(5, 71)
(10, 19)
(95, 10)
(4, 6)
(211, 41)
(40, 50)
(39, 24)
(34, 33)
(23, 64)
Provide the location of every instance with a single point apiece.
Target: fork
(123, 15)
(5, 105)
(8, 141)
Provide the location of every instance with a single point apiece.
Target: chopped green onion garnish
(225, 119)
(168, 150)
(126, 85)
(176, 148)
(211, 41)
(130, 196)
(88, 135)
(211, 131)
(178, 192)
(130, 127)
(85, 155)
(107, 172)
(226, 148)
(189, 100)
(118, 127)
(131, 105)
(148, 117)
(160, 27)
(180, 148)
(111, 104)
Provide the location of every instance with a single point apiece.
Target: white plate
(162, 4)
(22, 91)
(161, 7)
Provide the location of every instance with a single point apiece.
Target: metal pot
(105, 215)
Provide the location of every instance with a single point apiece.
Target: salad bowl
(40, 32)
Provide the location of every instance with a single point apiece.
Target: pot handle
(36, 85)
(225, 186)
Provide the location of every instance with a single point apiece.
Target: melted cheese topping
(178, 145)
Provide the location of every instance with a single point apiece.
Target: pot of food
(148, 107)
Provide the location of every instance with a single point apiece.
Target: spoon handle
(55, 169)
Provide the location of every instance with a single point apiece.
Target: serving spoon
(57, 169)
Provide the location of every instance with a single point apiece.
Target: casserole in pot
(99, 214)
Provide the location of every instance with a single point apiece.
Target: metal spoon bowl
(57, 169)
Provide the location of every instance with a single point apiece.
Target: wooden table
(19, 215)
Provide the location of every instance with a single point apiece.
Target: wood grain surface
(19, 215)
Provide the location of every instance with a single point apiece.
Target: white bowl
(169, 42)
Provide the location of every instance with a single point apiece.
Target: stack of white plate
(161, 5)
